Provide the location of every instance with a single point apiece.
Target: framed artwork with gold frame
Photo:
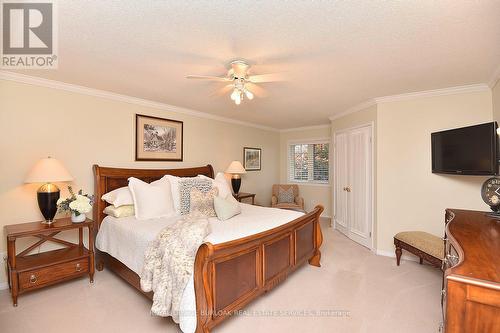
(158, 139)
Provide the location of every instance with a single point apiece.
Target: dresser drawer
(38, 277)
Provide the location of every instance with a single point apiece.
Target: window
(308, 162)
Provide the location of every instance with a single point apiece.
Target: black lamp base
(47, 201)
(236, 183)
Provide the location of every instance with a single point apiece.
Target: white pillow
(174, 192)
(227, 207)
(122, 211)
(151, 200)
(222, 185)
(119, 197)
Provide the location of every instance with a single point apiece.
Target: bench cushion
(423, 241)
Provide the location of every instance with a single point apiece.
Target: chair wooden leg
(398, 255)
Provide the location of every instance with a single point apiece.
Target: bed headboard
(108, 179)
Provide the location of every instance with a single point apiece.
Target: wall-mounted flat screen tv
(468, 150)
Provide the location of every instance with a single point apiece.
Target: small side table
(29, 272)
(243, 195)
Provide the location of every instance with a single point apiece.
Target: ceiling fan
(240, 82)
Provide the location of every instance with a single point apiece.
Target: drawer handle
(78, 267)
(33, 278)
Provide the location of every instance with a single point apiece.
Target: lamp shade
(235, 168)
(48, 170)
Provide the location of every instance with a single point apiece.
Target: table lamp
(47, 171)
(236, 169)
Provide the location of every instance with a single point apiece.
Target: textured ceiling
(335, 54)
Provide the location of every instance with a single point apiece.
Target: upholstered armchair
(289, 196)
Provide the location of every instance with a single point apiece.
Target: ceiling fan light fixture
(249, 94)
(235, 94)
(240, 83)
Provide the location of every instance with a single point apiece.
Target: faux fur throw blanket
(169, 263)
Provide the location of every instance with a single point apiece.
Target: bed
(260, 259)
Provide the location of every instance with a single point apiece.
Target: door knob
(348, 189)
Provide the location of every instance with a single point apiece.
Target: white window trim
(307, 142)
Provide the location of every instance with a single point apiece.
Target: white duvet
(126, 239)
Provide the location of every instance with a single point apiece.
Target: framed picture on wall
(158, 139)
(252, 158)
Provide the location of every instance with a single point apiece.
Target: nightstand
(243, 195)
(29, 272)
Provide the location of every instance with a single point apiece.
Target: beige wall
(362, 117)
(313, 194)
(410, 197)
(37, 121)
(496, 101)
(82, 130)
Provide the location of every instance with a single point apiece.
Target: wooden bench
(422, 244)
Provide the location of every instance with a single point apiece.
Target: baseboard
(326, 220)
(392, 254)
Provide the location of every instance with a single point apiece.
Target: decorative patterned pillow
(285, 196)
(185, 186)
(202, 203)
(174, 187)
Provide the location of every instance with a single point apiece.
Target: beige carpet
(378, 295)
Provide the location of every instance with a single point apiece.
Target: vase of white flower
(78, 204)
(77, 218)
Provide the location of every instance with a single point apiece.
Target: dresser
(471, 278)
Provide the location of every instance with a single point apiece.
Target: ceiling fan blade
(261, 78)
(206, 77)
(223, 91)
(256, 90)
(239, 68)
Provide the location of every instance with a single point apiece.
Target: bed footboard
(230, 275)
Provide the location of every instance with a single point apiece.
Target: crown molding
(37, 81)
(413, 95)
(434, 93)
(494, 78)
(305, 128)
(354, 109)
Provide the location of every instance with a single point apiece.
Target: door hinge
(370, 234)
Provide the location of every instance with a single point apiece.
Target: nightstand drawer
(39, 277)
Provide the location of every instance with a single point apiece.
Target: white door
(340, 182)
(353, 190)
(359, 190)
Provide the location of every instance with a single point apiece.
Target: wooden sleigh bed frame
(229, 275)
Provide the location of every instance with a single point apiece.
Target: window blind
(309, 162)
